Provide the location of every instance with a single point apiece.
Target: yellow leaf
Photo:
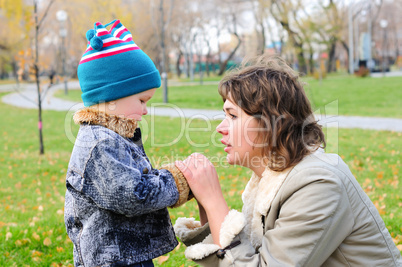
(37, 259)
(162, 259)
(36, 253)
(36, 236)
(60, 249)
(232, 192)
(399, 247)
(47, 241)
(8, 235)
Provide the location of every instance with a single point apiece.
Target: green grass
(344, 95)
(335, 95)
(205, 78)
(32, 187)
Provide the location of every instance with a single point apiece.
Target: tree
(16, 15)
(281, 11)
(230, 12)
(38, 24)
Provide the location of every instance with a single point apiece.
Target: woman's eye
(232, 116)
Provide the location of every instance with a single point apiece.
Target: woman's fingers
(184, 169)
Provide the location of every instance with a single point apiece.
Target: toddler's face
(133, 106)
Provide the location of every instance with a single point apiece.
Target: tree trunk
(178, 70)
(331, 58)
(36, 69)
(223, 65)
(300, 59)
(311, 61)
(262, 41)
(207, 58)
(187, 64)
(345, 45)
(298, 46)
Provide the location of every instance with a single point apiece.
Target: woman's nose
(222, 128)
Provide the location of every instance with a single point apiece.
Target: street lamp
(384, 24)
(62, 18)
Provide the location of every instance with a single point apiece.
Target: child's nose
(144, 111)
(222, 128)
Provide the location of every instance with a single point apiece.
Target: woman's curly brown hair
(269, 90)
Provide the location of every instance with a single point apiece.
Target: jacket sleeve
(116, 181)
(185, 193)
(313, 219)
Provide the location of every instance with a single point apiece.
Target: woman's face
(239, 135)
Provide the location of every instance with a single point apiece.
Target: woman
(301, 207)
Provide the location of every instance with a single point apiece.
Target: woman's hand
(202, 179)
(204, 183)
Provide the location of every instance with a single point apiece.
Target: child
(115, 206)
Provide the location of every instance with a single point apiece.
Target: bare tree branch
(45, 14)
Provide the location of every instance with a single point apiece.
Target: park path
(27, 98)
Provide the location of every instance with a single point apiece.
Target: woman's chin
(229, 160)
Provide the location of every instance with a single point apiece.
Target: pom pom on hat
(96, 43)
(90, 34)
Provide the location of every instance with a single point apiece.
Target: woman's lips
(227, 148)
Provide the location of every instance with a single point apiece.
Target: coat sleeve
(237, 249)
(313, 219)
(116, 181)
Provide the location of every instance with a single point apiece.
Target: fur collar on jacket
(257, 198)
(123, 126)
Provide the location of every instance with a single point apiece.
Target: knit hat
(113, 66)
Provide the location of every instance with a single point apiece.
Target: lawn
(32, 187)
(335, 95)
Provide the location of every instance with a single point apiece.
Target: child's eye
(142, 101)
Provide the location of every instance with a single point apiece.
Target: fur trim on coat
(257, 199)
(230, 228)
(123, 126)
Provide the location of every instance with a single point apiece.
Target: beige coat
(315, 214)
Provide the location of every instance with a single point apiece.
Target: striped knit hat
(113, 66)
